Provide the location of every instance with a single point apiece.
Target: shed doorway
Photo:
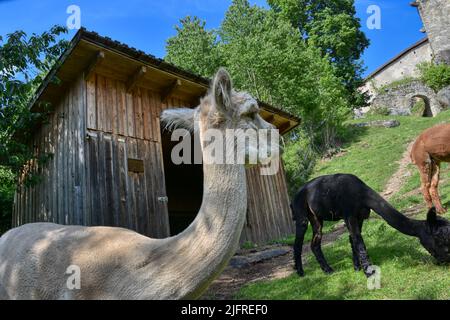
(184, 186)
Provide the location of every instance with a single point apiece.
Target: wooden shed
(110, 161)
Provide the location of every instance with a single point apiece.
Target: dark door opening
(184, 186)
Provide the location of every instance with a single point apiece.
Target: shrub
(300, 157)
(436, 76)
(7, 185)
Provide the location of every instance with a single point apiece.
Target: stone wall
(435, 15)
(404, 67)
(399, 100)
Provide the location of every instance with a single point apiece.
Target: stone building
(394, 85)
(435, 16)
(400, 67)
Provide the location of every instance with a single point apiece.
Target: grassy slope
(407, 271)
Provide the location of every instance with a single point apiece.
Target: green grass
(372, 153)
(410, 194)
(407, 270)
(248, 245)
(328, 226)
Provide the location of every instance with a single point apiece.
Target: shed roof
(89, 50)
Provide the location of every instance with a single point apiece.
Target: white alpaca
(116, 263)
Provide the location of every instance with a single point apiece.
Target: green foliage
(7, 188)
(248, 245)
(436, 76)
(193, 48)
(299, 160)
(331, 26)
(267, 57)
(24, 62)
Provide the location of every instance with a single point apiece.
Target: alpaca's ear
(178, 118)
(221, 90)
(432, 217)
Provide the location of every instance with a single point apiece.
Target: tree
(193, 48)
(332, 26)
(7, 183)
(269, 58)
(24, 62)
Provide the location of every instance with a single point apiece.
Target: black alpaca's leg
(354, 227)
(317, 248)
(355, 256)
(300, 229)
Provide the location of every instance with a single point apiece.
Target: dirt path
(233, 279)
(398, 178)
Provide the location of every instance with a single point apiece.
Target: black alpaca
(345, 196)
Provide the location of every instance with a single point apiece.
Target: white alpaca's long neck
(193, 258)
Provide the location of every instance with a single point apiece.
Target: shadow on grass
(351, 134)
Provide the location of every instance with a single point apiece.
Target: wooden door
(126, 184)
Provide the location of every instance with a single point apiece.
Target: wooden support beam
(270, 118)
(414, 4)
(284, 126)
(135, 78)
(167, 92)
(95, 62)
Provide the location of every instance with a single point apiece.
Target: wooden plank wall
(122, 198)
(59, 195)
(269, 216)
(125, 125)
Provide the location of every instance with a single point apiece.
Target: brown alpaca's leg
(434, 191)
(425, 179)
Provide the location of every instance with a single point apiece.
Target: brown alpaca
(430, 149)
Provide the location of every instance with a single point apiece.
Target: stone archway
(422, 102)
(399, 99)
(432, 105)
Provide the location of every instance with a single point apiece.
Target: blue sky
(146, 24)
